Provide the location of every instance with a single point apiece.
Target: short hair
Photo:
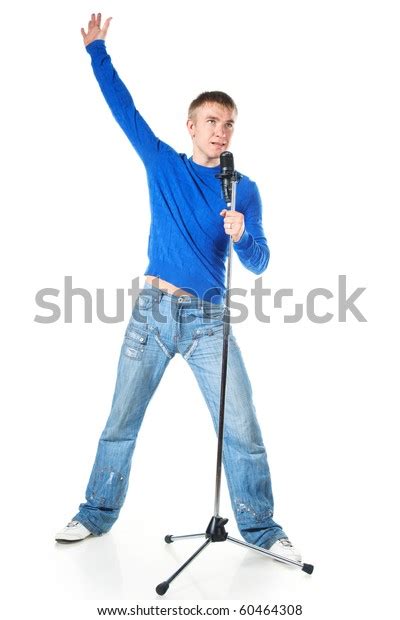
(212, 96)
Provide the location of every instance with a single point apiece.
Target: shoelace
(285, 542)
(72, 523)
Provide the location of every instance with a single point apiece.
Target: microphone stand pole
(216, 531)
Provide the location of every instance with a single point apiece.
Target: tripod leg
(170, 538)
(307, 568)
(163, 586)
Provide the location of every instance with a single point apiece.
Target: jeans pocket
(213, 312)
(135, 342)
(145, 300)
(144, 304)
(202, 334)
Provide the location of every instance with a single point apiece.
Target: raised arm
(142, 138)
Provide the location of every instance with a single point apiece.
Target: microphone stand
(216, 531)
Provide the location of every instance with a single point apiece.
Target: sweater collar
(204, 170)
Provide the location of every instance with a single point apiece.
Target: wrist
(93, 43)
(238, 237)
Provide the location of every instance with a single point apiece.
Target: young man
(180, 309)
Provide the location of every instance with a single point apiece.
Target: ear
(190, 126)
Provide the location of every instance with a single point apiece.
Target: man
(180, 309)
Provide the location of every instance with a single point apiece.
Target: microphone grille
(226, 162)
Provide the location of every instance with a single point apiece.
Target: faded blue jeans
(162, 325)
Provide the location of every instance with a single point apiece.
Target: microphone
(227, 174)
(226, 162)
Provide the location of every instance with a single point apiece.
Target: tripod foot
(308, 568)
(162, 587)
(168, 538)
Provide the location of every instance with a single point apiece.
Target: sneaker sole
(66, 541)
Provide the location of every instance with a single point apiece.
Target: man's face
(211, 129)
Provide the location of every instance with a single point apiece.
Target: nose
(220, 131)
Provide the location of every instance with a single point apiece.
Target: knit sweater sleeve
(252, 248)
(116, 94)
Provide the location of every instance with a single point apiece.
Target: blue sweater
(187, 243)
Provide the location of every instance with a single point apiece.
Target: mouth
(219, 145)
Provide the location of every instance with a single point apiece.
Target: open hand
(95, 31)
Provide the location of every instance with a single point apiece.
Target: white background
(317, 88)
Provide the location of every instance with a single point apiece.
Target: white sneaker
(73, 532)
(285, 548)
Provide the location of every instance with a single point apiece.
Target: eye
(211, 120)
(229, 125)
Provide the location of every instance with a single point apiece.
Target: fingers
(232, 217)
(233, 222)
(106, 25)
(94, 22)
(94, 29)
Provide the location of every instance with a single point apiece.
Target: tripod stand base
(216, 533)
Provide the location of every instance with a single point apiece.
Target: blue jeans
(160, 326)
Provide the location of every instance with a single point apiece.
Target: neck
(205, 161)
